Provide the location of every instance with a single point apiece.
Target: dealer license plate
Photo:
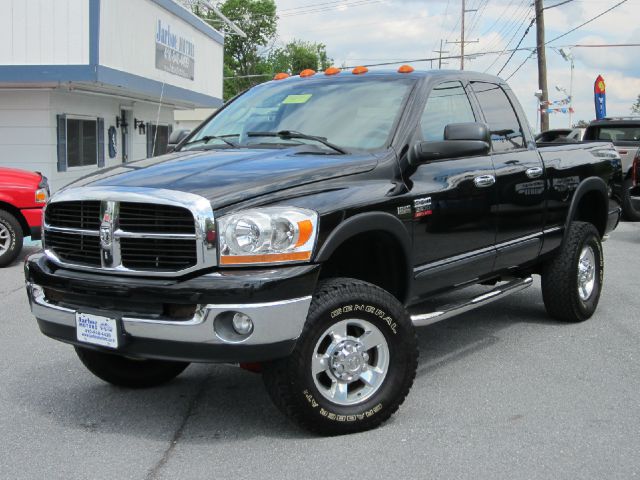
(97, 330)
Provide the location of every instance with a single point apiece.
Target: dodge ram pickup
(298, 230)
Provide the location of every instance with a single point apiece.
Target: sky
(365, 32)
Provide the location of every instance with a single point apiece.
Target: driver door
(453, 202)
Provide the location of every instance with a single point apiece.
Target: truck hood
(225, 177)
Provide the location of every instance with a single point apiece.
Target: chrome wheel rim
(586, 273)
(350, 361)
(5, 238)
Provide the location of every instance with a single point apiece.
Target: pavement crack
(157, 468)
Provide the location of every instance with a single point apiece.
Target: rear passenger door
(454, 228)
(520, 177)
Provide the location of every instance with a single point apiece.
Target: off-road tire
(560, 276)
(291, 384)
(9, 224)
(629, 210)
(127, 372)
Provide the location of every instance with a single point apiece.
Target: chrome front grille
(75, 247)
(83, 215)
(142, 217)
(157, 254)
(140, 232)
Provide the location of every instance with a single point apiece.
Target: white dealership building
(89, 84)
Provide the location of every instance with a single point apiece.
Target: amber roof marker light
(281, 76)
(359, 70)
(406, 69)
(307, 73)
(332, 71)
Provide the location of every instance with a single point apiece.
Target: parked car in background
(175, 138)
(624, 133)
(577, 134)
(549, 136)
(23, 194)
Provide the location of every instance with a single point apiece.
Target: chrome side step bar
(452, 310)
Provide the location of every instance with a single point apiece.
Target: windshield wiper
(287, 134)
(207, 138)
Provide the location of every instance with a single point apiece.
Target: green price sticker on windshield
(291, 99)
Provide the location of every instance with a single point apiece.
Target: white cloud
(395, 30)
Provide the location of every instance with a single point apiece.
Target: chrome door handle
(484, 181)
(534, 172)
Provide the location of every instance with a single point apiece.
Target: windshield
(349, 113)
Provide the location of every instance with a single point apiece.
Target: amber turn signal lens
(306, 229)
(281, 76)
(406, 69)
(360, 70)
(332, 71)
(307, 73)
(266, 258)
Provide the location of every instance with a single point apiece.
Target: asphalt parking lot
(503, 392)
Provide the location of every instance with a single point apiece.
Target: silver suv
(624, 133)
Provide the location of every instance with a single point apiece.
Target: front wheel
(354, 362)
(129, 372)
(10, 238)
(572, 280)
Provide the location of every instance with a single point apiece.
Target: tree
(299, 55)
(242, 59)
(581, 124)
(635, 108)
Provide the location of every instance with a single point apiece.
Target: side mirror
(460, 140)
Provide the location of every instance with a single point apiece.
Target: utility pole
(542, 65)
(440, 52)
(462, 41)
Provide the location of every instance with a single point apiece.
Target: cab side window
(447, 103)
(506, 132)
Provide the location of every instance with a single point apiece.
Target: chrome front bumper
(273, 322)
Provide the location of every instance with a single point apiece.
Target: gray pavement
(501, 393)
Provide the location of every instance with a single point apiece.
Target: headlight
(267, 235)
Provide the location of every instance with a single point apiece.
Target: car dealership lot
(502, 392)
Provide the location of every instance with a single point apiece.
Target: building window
(82, 144)
(157, 139)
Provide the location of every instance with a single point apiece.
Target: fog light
(242, 324)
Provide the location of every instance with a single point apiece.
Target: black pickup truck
(298, 230)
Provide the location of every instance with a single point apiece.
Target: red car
(22, 197)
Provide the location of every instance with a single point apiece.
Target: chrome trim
(200, 208)
(76, 231)
(169, 236)
(449, 311)
(273, 322)
(484, 181)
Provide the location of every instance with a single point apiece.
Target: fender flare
(589, 184)
(369, 222)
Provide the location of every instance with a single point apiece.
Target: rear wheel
(572, 280)
(129, 372)
(10, 238)
(354, 362)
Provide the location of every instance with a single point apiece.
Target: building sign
(174, 53)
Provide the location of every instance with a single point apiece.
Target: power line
(557, 4)
(517, 46)
(565, 34)
(511, 40)
(328, 8)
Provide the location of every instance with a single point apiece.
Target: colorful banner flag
(600, 97)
